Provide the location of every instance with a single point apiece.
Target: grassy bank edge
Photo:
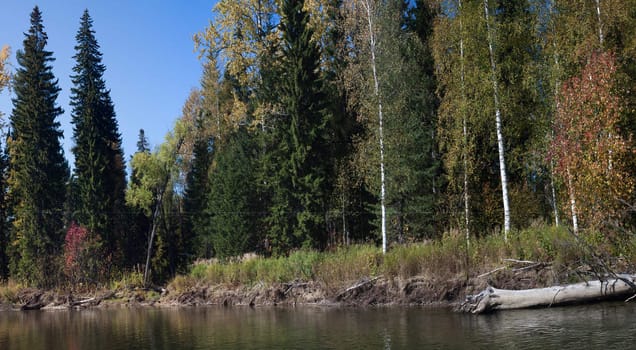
(446, 258)
(568, 259)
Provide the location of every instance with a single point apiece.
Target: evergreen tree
(231, 199)
(195, 195)
(38, 170)
(297, 214)
(142, 142)
(411, 103)
(99, 166)
(4, 214)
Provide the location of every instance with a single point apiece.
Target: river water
(600, 326)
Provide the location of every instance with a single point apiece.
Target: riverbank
(440, 272)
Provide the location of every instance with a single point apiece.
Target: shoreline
(366, 292)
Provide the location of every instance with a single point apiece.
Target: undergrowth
(444, 258)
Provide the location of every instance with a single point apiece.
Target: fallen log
(363, 282)
(492, 299)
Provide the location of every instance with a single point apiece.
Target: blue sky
(147, 48)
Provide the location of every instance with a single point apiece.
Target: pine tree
(99, 166)
(38, 170)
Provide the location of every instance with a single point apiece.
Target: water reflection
(596, 326)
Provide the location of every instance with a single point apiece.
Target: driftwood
(94, 301)
(363, 282)
(492, 299)
(34, 300)
(31, 299)
(529, 266)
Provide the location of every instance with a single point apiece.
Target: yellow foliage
(4, 73)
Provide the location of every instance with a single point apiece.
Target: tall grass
(444, 258)
(9, 291)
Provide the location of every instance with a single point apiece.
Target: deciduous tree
(588, 146)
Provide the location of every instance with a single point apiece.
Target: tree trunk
(557, 85)
(600, 23)
(492, 299)
(376, 85)
(153, 232)
(464, 128)
(575, 217)
(500, 140)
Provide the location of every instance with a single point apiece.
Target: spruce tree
(99, 166)
(195, 195)
(38, 169)
(142, 142)
(231, 199)
(299, 189)
(4, 214)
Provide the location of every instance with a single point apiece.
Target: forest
(319, 124)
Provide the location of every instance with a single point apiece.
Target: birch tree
(241, 37)
(157, 175)
(498, 124)
(362, 15)
(587, 141)
(449, 49)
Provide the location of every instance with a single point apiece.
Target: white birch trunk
(600, 23)
(557, 85)
(498, 124)
(601, 40)
(464, 128)
(492, 299)
(376, 85)
(575, 217)
(555, 206)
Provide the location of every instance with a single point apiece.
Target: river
(599, 326)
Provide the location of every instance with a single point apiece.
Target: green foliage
(299, 156)
(230, 207)
(299, 265)
(4, 211)
(37, 169)
(99, 165)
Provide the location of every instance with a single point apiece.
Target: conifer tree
(299, 192)
(142, 142)
(231, 200)
(4, 233)
(4, 211)
(99, 165)
(195, 194)
(38, 170)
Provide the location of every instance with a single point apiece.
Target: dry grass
(445, 258)
(9, 291)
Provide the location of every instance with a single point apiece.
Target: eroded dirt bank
(375, 291)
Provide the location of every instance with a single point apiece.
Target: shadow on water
(602, 326)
